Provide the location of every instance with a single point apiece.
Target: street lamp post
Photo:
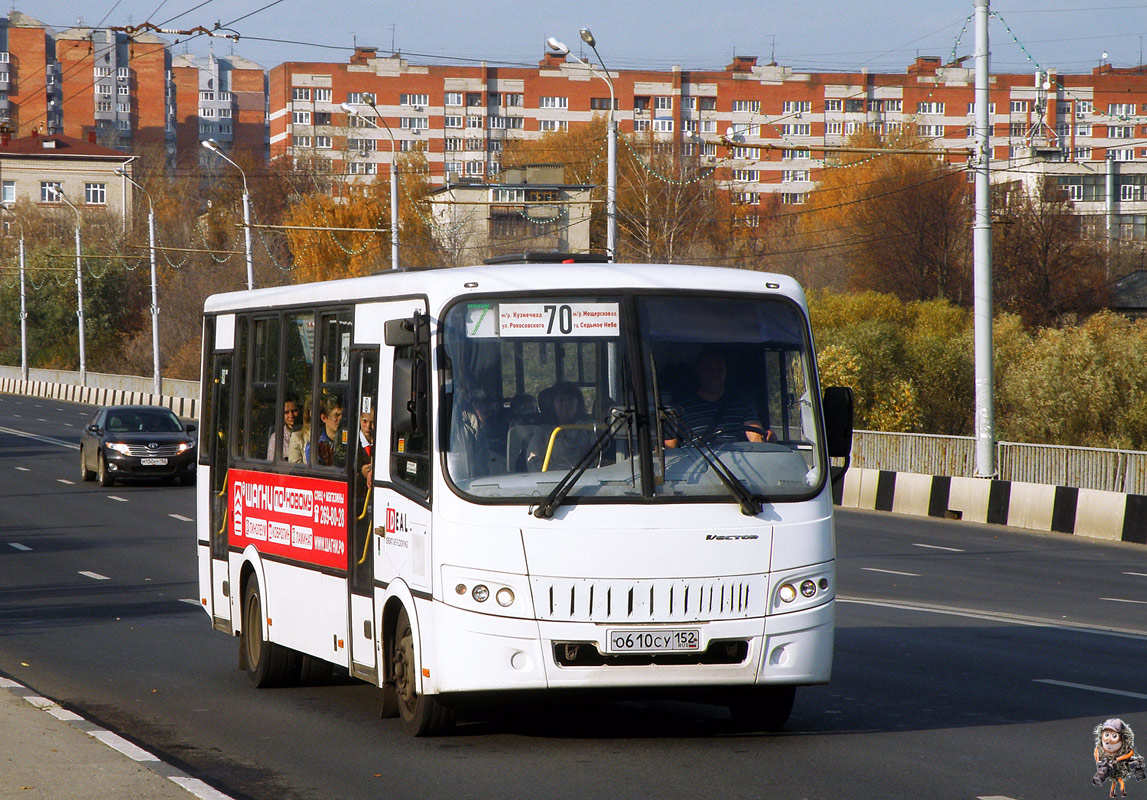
(59, 193)
(23, 305)
(348, 108)
(213, 146)
(611, 179)
(157, 382)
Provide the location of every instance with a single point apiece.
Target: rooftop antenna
(392, 38)
(773, 49)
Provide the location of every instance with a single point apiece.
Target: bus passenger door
(360, 519)
(220, 433)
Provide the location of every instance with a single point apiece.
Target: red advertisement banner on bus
(303, 519)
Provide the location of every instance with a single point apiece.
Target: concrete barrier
(186, 407)
(1112, 516)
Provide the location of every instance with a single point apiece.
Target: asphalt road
(971, 661)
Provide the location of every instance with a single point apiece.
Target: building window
(474, 168)
(1084, 107)
(8, 190)
(895, 104)
(747, 105)
(1120, 109)
(553, 102)
(476, 145)
(601, 104)
(414, 123)
(225, 127)
(1123, 154)
(745, 175)
(799, 129)
(210, 112)
(123, 73)
(662, 103)
(49, 191)
(101, 72)
(795, 154)
(452, 166)
(96, 194)
(831, 128)
(689, 125)
(123, 91)
(494, 146)
(473, 99)
(707, 104)
(1082, 154)
(689, 103)
(1120, 131)
(323, 142)
(663, 125)
(496, 123)
(930, 108)
(360, 98)
(300, 94)
(639, 125)
(321, 96)
(301, 141)
(552, 125)
(513, 99)
(853, 105)
(361, 145)
(453, 144)
(474, 122)
(832, 105)
(123, 108)
(972, 108)
(362, 168)
(794, 175)
(452, 99)
(453, 122)
(515, 123)
(792, 198)
(226, 96)
(301, 117)
(226, 114)
(1019, 107)
(708, 126)
(414, 100)
(104, 89)
(1083, 129)
(796, 106)
(207, 95)
(205, 128)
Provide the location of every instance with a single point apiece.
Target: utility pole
(982, 258)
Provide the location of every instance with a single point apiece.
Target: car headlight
(184, 447)
(119, 447)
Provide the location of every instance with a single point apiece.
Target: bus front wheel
(267, 663)
(422, 715)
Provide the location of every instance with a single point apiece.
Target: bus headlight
(473, 590)
(787, 593)
(505, 597)
(481, 593)
(799, 590)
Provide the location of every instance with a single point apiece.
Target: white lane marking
(116, 742)
(198, 788)
(65, 480)
(24, 469)
(117, 498)
(95, 576)
(180, 517)
(190, 601)
(994, 797)
(44, 439)
(1136, 574)
(991, 616)
(138, 754)
(40, 419)
(1121, 600)
(19, 546)
(892, 572)
(1086, 687)
(938, 547)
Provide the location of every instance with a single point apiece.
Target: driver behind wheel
(713, 415)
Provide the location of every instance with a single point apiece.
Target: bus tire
(268, 664)
(762, 709)
(422, 715)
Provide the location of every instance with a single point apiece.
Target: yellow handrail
(554, 436)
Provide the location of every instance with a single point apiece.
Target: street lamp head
(557, 46)
(211, 145)
(121, 172)
(348, 108)
(587, 37)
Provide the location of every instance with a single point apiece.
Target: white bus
(580, 476)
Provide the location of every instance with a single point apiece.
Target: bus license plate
(678, 640)
(153, 462)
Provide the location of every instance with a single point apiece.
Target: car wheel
(85, 473)
(105, 477)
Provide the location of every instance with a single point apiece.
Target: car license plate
(153, 462)
(663, 640)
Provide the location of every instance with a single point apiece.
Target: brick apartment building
(1069, 126)
(129, 91)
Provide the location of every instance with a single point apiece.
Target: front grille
(586, 654)
(143, 451)
(661, 600)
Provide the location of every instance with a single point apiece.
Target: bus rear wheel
(765, 708)
(422, 715)
(268, 664)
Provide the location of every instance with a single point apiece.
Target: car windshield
(542, 387)
(159, 420)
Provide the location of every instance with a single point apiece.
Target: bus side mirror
(402, 332)
(409, 396)
(837, 405)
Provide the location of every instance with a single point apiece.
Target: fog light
(808, 588)
(505, 597)
(788, 593)
(823, 584)
(460, 588)
(481, 593)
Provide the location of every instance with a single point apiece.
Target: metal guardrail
(1055, 465)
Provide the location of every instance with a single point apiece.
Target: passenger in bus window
(298, 449)
(563, 406)
(366, 444)
(291, 413)
(712, 414)
(331, 446)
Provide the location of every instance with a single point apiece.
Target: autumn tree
(896, 222)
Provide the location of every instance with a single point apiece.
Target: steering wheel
(742, 428)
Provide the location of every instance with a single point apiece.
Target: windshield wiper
(545, 510)
(750, 505)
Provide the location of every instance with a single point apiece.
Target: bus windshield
(649, 396)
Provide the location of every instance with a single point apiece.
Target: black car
(137, 442)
